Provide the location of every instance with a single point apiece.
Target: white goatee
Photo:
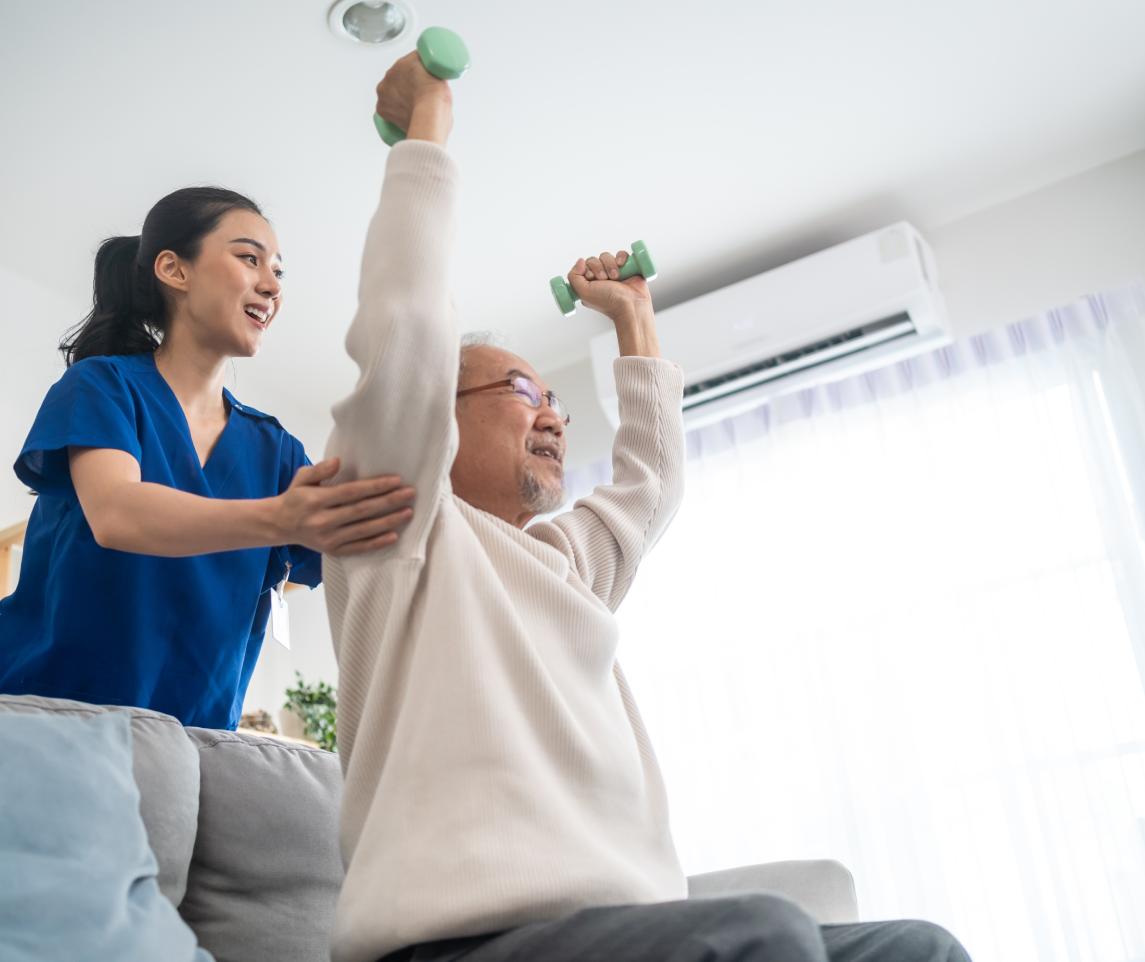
(540, 497)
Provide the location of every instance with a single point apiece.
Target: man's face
(510, 459)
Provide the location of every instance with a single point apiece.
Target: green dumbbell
(639, 262)
(444, 55)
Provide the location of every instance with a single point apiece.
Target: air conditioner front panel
(806, 301)
(813, 319)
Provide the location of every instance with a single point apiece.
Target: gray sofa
(244, 829)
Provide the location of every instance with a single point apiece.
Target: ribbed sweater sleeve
(400, 416)
(606, 534)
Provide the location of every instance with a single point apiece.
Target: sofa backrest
(266, 868)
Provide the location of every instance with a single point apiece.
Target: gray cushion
(823, 888)
(79, 879)
(166, 770)
(267, 868)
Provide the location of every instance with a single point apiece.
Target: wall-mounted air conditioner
(851, 308)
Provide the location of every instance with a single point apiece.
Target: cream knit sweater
(496, 768)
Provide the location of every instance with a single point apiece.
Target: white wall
(32, 319)
(1077, 237)
(1001, 264)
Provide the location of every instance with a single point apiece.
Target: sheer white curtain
(900, 622)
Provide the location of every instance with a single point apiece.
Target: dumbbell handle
(443, 54)
(630, 269)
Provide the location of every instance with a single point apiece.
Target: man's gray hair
(470, 341)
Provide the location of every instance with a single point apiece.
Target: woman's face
(226, 298)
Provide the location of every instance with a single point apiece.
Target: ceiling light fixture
(371, 22)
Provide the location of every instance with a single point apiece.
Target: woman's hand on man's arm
(128, 514)
(342, 519)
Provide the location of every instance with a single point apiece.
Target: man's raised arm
(607, 534)
(404, 337)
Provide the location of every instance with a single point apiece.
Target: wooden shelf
(10, 537)
(13, 534)
(282, 738)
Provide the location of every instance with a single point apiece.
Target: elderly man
(502, 800)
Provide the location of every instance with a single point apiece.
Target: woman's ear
(170, 270)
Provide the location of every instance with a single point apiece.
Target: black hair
(129, 312)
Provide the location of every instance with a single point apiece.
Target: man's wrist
(632, 315)
(432, 116)
(636, 332)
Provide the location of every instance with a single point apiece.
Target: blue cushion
(79, 880)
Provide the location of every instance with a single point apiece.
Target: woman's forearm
(126, 513)
(154, 519)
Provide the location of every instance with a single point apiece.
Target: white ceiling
(730, 137)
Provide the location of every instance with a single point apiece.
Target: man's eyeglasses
(527, 389)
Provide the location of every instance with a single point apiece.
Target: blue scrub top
(179, 635)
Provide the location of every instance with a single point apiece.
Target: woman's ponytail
(129, 313)
(123, 317)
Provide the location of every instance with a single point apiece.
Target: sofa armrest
(823, 888)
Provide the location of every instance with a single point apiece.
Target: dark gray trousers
(739, 928)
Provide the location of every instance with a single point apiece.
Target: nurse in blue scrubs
(168, 511)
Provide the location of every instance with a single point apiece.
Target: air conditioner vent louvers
(820, 352)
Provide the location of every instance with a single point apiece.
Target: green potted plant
(315, 706)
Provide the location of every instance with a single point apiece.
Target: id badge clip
(279, 613)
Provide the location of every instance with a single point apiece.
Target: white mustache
(534, 446)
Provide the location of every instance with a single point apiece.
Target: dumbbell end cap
(644, 259)
(390, 133)
(443, 53)
(563, 295)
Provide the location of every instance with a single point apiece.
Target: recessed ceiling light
(370, 21)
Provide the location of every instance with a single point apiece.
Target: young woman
(167, 511)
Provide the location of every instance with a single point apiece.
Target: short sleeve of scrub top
(91, 406)
(178, 635)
